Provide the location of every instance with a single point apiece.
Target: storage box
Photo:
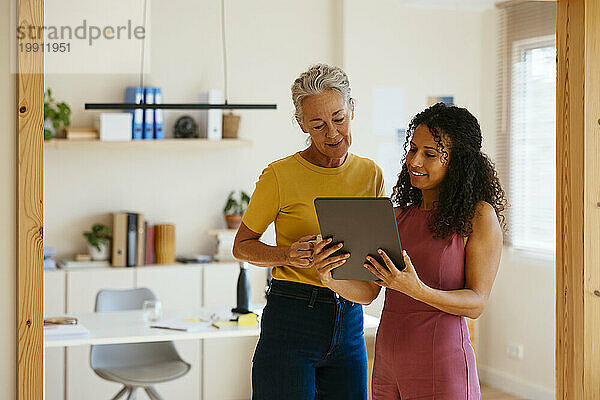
(115, 127)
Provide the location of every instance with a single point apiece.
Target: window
(532, 146)
(526, 129)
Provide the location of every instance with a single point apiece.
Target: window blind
(525, 110)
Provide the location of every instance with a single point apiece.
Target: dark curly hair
(471, 176)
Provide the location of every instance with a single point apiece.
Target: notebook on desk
(60, 332)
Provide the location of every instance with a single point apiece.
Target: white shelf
(147, 266)
(191, 144)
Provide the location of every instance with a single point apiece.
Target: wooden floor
(489, 393)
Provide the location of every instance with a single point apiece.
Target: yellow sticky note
(224, 323)
(193, 319)
(249, 319)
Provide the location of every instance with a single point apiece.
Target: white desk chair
(135, 365)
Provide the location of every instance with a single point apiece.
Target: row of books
(133, 240)
(147, 124)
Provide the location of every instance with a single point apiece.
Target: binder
(141, 239)
(132, 229)
(136, 95)
(149, 114)
(159, 116)
(119, 243)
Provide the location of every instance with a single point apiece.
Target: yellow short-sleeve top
(285, 193)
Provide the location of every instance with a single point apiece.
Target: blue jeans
(311, 346)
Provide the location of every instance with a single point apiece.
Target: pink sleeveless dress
(420, 351)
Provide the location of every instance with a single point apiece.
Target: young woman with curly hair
(450, 222)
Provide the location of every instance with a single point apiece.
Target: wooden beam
(578, 197)
(509, 3)
(591, 295)
(30, 135)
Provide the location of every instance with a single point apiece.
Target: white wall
(425, 52)
(269, 44)
(520, 312)
(8, 244)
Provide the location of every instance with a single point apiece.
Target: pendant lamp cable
(143, 45)
(224, 51)
(182, 106)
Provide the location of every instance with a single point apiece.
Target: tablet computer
(363, 225)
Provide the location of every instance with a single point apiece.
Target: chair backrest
(122, 300)
(130, 354)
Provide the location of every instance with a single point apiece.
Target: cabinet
(179, 287)
(68, 375)
(54, 359)
(226, 353)
(231, 377)
(81, 289)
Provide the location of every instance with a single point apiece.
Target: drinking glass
(152, 310)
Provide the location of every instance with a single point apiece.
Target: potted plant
(236, 205)
(99, 241)
(57, 116)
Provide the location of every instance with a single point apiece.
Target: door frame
(30, 152)
(577, 199)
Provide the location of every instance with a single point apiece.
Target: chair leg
(152, 393)
(132, 390)
(121, 393)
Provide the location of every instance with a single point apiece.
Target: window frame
(517, 48)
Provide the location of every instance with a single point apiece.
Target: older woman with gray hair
(311, 342)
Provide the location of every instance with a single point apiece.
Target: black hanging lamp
(184, 106)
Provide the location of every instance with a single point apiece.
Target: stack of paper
(58, 332)
(81, 133)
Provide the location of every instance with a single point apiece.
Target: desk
(129, 327)
(187, 288)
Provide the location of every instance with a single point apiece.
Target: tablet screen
(363, 225)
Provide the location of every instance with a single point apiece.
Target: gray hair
(316, 80)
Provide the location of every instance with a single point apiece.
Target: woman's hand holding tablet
(406, 281)
(324, 261)
(363, 225)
